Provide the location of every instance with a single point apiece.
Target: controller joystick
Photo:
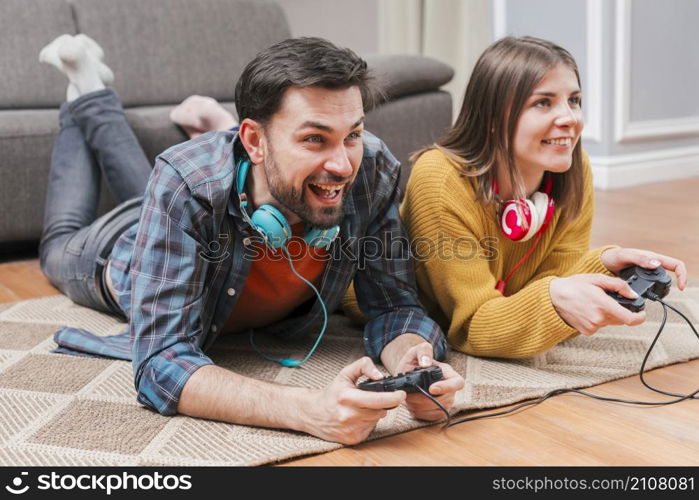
(408, 382)
(644, 282)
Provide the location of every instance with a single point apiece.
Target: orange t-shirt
(272, 291)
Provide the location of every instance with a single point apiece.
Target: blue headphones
(271, 224)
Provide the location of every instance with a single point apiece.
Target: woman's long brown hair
(502, 80)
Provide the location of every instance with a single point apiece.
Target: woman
(517, 137)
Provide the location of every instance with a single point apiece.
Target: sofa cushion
(155, 131)
(162, 52)
(401, 75)
(25, 27)
(26, 142)
(411, 123)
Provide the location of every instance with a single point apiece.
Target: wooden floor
(566, 430)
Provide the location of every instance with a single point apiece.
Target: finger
(681, 273)
(429, 415)
(636, 318)
(589, 329)
(423, 354)
(417, 398)
(447, 386)
(363, 366)
(671, 264)
(426, 405)
(619, 315)
(447, 370)
(612, 284)
(652, 260)
(638, 257)
(372, 400)
(372, 416)
(433, 413)
(451, 382)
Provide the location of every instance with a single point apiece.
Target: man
(197, 262)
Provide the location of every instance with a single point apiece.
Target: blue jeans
(94, 140)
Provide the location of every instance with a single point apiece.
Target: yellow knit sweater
(461, 254)
(457, 268)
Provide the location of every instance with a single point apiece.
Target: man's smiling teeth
(328, 190)
(558, 142)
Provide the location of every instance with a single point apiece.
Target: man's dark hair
(299, 62)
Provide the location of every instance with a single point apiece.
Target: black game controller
(408, 382)
(642, 281)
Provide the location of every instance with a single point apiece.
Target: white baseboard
(611, 172)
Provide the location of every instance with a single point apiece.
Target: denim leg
(71, 206)
(74, 246)
(114, 145)
(73, 188)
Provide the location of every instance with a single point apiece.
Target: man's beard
(292, 200)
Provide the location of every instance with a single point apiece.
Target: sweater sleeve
(481, 321)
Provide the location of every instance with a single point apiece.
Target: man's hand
(616, 259)
(344, 414)
(408, 352)
(580, 300)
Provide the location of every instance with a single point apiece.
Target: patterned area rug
(65, 410)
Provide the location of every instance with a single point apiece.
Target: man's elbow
(152, 394)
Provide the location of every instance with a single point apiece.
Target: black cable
(665, 305)
(436, 401)
(511, 410)
(679, 397)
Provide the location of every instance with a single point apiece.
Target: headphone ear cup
(550, 208)
(534, 221)
(541, 201)
(272, 225)
(511, 222)
(321, 238)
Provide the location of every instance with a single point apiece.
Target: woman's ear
(252, 136)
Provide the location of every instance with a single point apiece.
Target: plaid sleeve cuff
(380, 331)
(164, 376)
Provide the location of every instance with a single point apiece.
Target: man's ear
(252, 135)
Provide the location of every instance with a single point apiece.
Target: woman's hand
(616, 259)
(582, 302)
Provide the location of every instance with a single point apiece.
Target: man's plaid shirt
(179, 271)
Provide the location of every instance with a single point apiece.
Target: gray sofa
(162, 51)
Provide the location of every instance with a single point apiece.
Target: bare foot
(199, 114)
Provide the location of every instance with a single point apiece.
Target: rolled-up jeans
(94, 140)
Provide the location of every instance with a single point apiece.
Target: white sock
(72, 92)
(79, 59)
(106, 74)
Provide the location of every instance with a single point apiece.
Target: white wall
(640, 67)
(639, 62)
(352, 24)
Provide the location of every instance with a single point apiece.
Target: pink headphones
(537, 212)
